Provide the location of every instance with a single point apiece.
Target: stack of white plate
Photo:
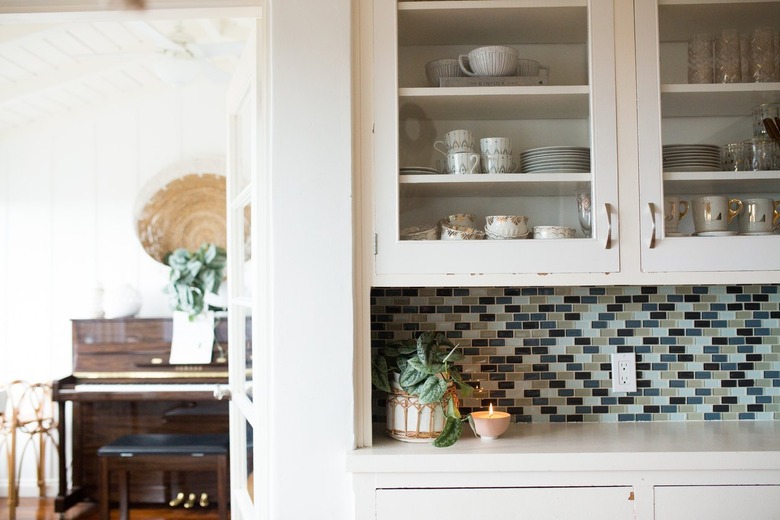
(691, 157)
(555, 159)
(417, 170)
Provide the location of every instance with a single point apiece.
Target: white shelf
(508, 184)
(498, 22)
(486, 103)
(733, 183)
(717, 99)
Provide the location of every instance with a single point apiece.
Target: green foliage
(193, 275)
(426, 370)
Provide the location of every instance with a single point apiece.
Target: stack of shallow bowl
(506, 227)
(424, 232)
(460, 227)
(553, 232)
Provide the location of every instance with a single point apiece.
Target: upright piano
(122, 383)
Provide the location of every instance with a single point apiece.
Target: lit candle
(490, 425)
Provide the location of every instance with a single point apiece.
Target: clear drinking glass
(584, 212)
(700, 59)
(762, 55)
(728, 67)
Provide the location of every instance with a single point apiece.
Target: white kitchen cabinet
(540, 503)
(577, 108)
(717, 502)
(623, 106)
(671, 111)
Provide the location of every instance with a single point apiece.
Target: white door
(248, 288)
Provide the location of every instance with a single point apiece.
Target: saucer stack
(691, 158)
(555, 159)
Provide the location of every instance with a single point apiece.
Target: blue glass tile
(633, 324)
(764, 399)
(702, 375)
(572, 367)
(650, 324)
(711, 416)
(676, 383)
(573, 333)
(625, 417)
(589, 299)
(694, 400)
(668, 408)
(652, 392)
(591, 349)
(746, 416)
(591, 383)
(617, 341)
(669, 358)
(660, 366)
(643, 349)
(598, 324)
(668, 341)
(644, 417)
(771, 374)
(755, 391)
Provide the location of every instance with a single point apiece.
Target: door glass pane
(246, 271)
(248, 354)
(242, 143)
(250, 460)
(504, 124)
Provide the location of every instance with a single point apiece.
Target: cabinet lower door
(546, 503)
(717, 502)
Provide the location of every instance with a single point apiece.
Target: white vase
(121, 302)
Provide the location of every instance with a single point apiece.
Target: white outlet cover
(623, 372)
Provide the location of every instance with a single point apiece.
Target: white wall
(67, 192)
(312, 408)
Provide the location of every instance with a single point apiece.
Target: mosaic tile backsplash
(543, 353)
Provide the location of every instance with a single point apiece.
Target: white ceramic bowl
(491, 60)
(510, 226)
(444, 68)
(453, 232)
(459, 219)
(425, 232)
(493, 236)
(548, 232)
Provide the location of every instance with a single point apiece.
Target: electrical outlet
(624, 372)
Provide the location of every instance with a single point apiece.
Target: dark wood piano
(121, 384)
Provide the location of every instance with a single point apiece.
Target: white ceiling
(53, 69)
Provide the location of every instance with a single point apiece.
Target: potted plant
(194, 275)
(422, 383)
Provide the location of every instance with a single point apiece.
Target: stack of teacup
(497, 155)
(458, 148)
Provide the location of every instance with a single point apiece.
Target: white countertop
(706, 445)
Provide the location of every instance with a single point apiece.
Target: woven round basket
(187, 211)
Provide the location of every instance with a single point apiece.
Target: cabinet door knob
(608, 241)
(651, 207)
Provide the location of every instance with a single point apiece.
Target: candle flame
(490, 413)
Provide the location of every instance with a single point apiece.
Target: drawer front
(543, 503)
(717, 502)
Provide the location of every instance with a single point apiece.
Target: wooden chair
(8, 442)
(29, 421)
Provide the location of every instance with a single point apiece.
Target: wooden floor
(43, 509)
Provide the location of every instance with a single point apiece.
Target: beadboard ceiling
(48, 70)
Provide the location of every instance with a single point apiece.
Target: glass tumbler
(762, 55)
(761, 112)
(728, 66)
(736, 157)
(700, 59)
(764, 154)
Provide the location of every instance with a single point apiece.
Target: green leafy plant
(193, 275)
(426, 370)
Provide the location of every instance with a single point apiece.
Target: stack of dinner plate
(555, 159)
(691, 157)
(417, 170)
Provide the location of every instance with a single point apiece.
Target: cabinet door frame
(600, 254)
(658, 252)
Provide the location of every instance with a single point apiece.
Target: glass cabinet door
(556, 110)
(703, 208)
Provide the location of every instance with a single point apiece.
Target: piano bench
(162, 452)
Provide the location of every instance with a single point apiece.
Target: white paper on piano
(192, 340)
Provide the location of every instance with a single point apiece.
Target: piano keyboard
(145, 387)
